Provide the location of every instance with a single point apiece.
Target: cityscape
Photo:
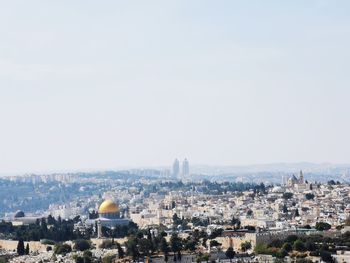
(186, 131)
(173, 215)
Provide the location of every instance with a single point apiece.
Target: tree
(310, 245)
(214, 243)
(331, 182)
(107, 244)
(309, 196)
(87, 256)
(175, 244)
(216, 233)
(291, 238)
(230, 253)
(299, 245)
(27, 249)
(120, 251)
(246, 246)
(79, 259)
(296, 214)
(190, 244)
(261, 248)
(145, 246)
(249, 213)
(285, 209)
(51, 220)
(62, 249)
(326, 256)
(132, 249)
(43, 225)
(176, 220)
(164, 247)
(322, 226)
(235, 222)
(287, 247)
(82, 244)
(250, 228)
(287, 195)
(20, 247)
(282, 253)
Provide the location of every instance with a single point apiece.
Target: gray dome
(19, 214)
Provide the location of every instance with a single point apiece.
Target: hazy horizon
(88, 85)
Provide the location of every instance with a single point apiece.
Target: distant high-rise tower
(185, 168)
(176, 168)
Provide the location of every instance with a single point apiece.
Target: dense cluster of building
(258, 215)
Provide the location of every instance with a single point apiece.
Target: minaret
(99, 229)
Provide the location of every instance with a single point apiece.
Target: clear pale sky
(106, 84)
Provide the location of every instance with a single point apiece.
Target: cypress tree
(20, 247)
(27, 249)
(120, 251)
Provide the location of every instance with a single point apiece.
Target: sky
(105, 84)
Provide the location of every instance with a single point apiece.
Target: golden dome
(108, 207)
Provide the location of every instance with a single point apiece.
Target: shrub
(48, 242)
(82, 244)
(322, 226)
(107, 244)
(299, 245)
(62, 249)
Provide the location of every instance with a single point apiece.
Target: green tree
(309, 196)
(82, 244)
(190, 244)
(132, 248)
(296, 213)
(20, 247)
(43, 225)
(249, 213)
(62, 249)
(176, 220)
(326, 256)
(285, 209)
(214, 243)
(27, 249)
(87, 256)
(145, 246)
(261, 248)
(322, 226)
(230, 253)
(287, 247)
(246, 246)
(235, 222)
(299, 245)
(120, 251)
(164, 247)
(282, 253)
(175, 244)
(287, 195)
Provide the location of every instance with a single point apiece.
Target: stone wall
(11, 245)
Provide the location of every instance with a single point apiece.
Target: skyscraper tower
(176, 168)
(185, 168)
